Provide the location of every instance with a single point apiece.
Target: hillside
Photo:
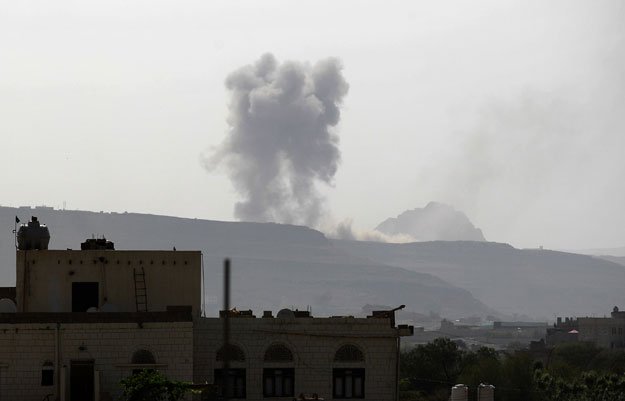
(616, 259)
(620, 252)
(538, 283)
(274, 266)
(435, 222)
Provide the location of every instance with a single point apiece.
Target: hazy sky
(512, 111)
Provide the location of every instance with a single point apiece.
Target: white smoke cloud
(280, 141)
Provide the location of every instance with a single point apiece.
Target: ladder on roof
(141, 292)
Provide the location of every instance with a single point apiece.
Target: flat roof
(95, 317)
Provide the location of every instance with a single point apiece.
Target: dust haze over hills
(277, 265)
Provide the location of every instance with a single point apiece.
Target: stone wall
(24, 348)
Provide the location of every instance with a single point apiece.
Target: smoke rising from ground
(344, 231)
(280, 142)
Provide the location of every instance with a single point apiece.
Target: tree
(589, 386)
(152, 385)
(431, 369)
(444, 352)
(482, 366)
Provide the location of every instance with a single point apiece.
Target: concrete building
(85, 319)
(563, 331)
(606, 332)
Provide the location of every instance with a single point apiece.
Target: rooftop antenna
(226, 348)
(17, 220)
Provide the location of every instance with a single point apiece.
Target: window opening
(349, 353)
(278, 353)
(235, 383)
(278, 382)
(84, 296)
(348, 383)
(233, 352)
(143, 356)
(47, 374)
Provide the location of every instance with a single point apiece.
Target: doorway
(81, 381)
(84, 296)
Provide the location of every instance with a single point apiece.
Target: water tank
(33, 236)
(97, 244)
(285, 314)
(459, 392)
(485, 392)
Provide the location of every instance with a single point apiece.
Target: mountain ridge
(274, 265)
(534, 282)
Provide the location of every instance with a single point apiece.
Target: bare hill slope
(274, 266)
(538, 283)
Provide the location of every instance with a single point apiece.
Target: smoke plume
(280, 141)
(345, 231)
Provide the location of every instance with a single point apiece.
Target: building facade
(606, 332)
(84, 320)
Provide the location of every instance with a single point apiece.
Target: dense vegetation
(152, 385)
(569, 372)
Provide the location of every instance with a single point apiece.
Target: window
(142, 357)
(47, 374)
(235, 382)
(349, 353)
(620, 331)
(278, 353)
(613, 331)
(84, 296)
(278, 382)
(348, 383)
(233, 352)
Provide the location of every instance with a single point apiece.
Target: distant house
(563, 331)
(606, 332)
(79, 321)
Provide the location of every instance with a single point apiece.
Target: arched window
(349, 353)
(349, 381)
(234, 384)
(233, 352)
(47, 374)
(143, 357)
(279, 382)
(278, 353)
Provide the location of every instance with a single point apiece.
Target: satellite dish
(7, 306)
(285, 314)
